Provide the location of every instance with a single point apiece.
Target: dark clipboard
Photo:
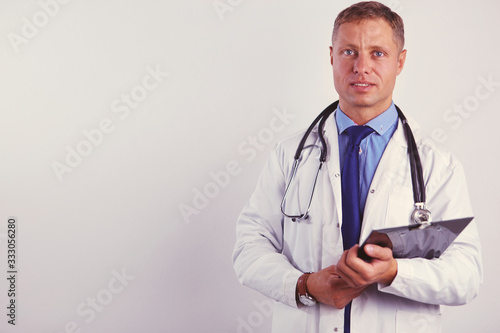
(417, 241)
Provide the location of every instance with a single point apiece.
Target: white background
(229, 72)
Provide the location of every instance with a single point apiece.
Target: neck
(363, 114)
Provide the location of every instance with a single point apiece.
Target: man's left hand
(358, 273)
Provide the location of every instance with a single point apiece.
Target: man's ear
(401, 61)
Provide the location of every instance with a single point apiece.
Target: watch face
(307, 300)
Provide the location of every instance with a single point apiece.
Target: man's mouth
(362, 84)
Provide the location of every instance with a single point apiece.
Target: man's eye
(378, 53)
(348, 52)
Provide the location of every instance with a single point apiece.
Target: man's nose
(362, 64)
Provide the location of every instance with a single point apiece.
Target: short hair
(372, 10)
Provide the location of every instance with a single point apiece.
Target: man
(275, 254)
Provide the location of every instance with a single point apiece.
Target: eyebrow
(371, 47)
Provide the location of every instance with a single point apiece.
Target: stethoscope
(420, 214)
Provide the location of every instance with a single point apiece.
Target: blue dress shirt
(372, 147)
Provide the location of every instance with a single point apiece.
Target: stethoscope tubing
(420, 215)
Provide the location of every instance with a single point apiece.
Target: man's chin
(365, 102)
(359, 103)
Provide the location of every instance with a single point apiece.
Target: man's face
(365, 60)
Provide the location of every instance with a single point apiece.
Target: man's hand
(327, 287)
(357, 273)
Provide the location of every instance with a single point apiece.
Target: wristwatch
(304, 297)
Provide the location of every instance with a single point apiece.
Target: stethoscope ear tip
(295, 219)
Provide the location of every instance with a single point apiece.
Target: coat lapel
(333, 162)
(394, 154)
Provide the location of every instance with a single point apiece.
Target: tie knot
(358, 133)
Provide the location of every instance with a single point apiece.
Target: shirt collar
(380, 123)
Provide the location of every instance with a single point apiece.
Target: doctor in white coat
(275, 255)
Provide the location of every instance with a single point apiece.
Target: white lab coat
(271, 252)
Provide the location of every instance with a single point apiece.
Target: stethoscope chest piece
(421, 215)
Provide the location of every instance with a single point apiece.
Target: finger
(355, 263)
(378, 252)
(362, 273)
(342, 269)
(352, 257)
(346, 272)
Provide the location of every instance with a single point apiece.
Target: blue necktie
(351, 214)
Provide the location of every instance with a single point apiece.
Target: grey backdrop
(132, 133)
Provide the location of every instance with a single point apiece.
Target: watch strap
(301, 284)
(303, 296)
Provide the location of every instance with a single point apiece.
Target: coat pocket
(288, 319)
(413, 322)
(400, 206)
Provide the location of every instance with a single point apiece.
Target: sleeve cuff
(400, 284)
(290, 288)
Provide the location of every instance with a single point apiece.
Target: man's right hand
(327, 287)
